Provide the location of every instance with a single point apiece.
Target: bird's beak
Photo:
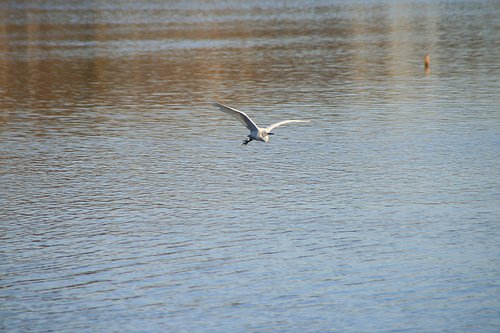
(270, 133)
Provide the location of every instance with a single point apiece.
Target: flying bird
(256, 133)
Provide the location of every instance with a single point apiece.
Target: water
(128, 204)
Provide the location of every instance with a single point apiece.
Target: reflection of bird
(256, 133)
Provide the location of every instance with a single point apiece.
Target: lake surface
(127, 203)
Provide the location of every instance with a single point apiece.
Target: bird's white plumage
(241, 116)
(270, 127)
(256, 133)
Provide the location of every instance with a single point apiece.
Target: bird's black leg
(246, 141)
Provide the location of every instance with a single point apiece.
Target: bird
(256, 133)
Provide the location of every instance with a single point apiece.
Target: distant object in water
(256, 133)
(427, 61)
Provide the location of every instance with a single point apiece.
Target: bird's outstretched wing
(241, 116)
(270, 127)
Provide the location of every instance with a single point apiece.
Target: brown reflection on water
(33, 80)
(94, 57)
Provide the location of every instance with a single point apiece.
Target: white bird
(256, 133)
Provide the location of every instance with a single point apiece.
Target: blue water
(127, 203)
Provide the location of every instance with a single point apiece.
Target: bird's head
(266, 136)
